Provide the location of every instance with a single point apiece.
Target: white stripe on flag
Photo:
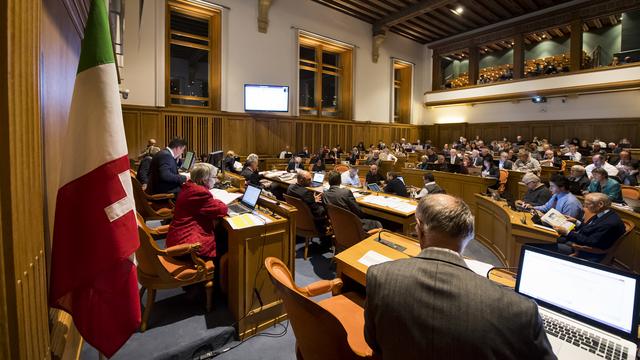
(124, 205)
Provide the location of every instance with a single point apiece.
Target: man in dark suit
(600, 231)
(344, 198)
(395, 186)
(504, 162)
(228, 161)
(314, 201)
(373, 176)
(250, 172)
(433, 306)
(295, 164)
(163, 170)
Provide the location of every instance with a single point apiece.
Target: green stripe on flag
(96, 45)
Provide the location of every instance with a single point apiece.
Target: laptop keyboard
(583, 339)
(237, 208)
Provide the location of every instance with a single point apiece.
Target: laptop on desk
(247, 202)
(317, 180)
(589, 311)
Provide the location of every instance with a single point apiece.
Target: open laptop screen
(251, 196)
(318, 177)
(605, 296)
(188, 161)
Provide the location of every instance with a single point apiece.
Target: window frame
(404, 90)
(343, 73)
(214, 16)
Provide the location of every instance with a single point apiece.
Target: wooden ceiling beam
(613, 19)
(481, 9)
(426, 30)
(471, 14)
(409, 12)
(437, 20)
(497, 9)
(337, 6)
(452, 18)
(598, 23)
(513, 7)
(529, 5)
(558, 32)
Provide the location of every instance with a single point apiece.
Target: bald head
(303, 178)
(597, 202)
(444, 221)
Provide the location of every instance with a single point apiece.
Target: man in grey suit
(344, 198)
(433, 306)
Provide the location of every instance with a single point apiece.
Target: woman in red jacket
(196, 212)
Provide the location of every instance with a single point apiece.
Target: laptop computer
(188, 161)
(247, 202)
(374, 187)
(589, 311)
(317, 180)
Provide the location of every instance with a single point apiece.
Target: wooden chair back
(319, 334)
(347, 227)
(630, 192)
(628, 228)
(304, 221)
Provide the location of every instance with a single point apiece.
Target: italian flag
(95, 234)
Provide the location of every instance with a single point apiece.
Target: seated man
(573, 153)
(374, 158)
(600, 162)
(313, 200)
(526, 163)
(579, 180)
(537, 194)
(561, 200)
(163, 170)
(284, 153)
(250, 172)
(430, 187)
(428, 307)
(395, 185)
(504, 162)
(600, 231)
(295, 164)
(229, 161)
(601, 183)
(373, 176)
(550, 159)
(350, 177)
(151, 143)
(143, 168)
(431, 155)
(344, 198)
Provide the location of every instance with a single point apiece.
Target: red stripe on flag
(92, 277)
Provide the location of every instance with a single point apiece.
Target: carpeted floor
(179, 327)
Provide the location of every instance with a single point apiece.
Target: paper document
(246, 220)
(225, 196)
(395, 203)
(554, 217)
(373, 258)
(479, 267)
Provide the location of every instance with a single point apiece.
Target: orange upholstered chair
(610, 252)
(504, 176)
(145, 201)
(328, 329)
(341, 168)
(630, 192)
(347, 228)
(305, 226)
(168, 268)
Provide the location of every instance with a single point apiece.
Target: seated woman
(603, 184)
(489, 168)
(196, 212)
(318, 165)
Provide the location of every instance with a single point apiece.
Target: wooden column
(474, 65)
(518, 56)
(436, 80)
(576, 45)
(24, 329)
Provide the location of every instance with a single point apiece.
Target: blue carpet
(179, 326)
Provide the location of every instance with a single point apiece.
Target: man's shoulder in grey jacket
(433, 307)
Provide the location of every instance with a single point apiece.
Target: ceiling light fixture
(458, 10)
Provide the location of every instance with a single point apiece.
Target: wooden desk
(502, 231)
(349, 269)
(247, 250)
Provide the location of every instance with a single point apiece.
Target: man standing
(428, 306)
(163, 172)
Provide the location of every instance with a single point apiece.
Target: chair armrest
(157, 197)
(322, 286)
(181, 249)
(588, 249)
(160, 230)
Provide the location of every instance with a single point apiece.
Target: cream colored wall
(252, 57)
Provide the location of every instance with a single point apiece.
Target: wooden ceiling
(426, 21)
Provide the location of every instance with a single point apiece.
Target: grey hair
(579, 169)
(202, 173)
(600, 197)
(252, 157)
(445, 214)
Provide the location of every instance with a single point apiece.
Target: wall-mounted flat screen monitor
(270, 98)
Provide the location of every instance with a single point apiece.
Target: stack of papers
(247, 220)
(479, 267)
(395, 203)
(373, 258)
(224, 196)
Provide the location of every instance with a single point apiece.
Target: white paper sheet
(225, 196)
(373, 258)
(479, 267)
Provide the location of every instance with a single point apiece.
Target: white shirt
(424, 192)
(575, 156)
(346, 179)
(283, 153)
(611, 170)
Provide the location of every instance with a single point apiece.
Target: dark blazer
(342, 198)
(494, 172)
(599, 232)
(579, 184)
(477, 161)
(396, 187)
(293, 166)
(228, 162)
(143, 170)
(163, 174)
(538, 196)
(374, 178)
(306, 195)
(508, 165)
(352, 159)
(251, 176)
(433, 306)
(434, 189)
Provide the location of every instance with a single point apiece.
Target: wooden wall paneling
(132, 132)
(170, 127)
(541, 131)
(187, 124)
(216, 133)
(262, 130)
(150, 128)
(300, 137)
